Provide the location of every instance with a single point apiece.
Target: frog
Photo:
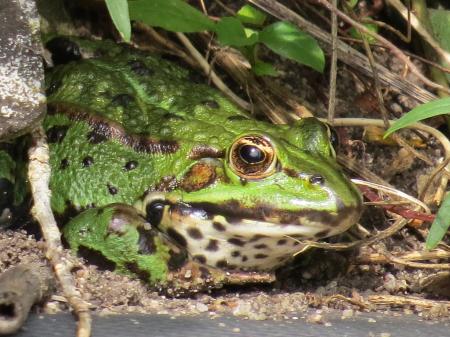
(159, 175)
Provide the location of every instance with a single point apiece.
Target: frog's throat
(249, 243)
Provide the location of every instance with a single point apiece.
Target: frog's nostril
(317, 179)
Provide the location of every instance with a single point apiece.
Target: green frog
(163, 177)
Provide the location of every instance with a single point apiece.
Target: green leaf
(288, 41)
(440, 224)
(262, 68)
(251, 15)
(427, 110)
(231, 32)
(118, 10)
(173, 15)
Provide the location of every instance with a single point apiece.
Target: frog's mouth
(261, 238)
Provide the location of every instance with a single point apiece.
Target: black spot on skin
(195, 233)
(146, 242)
(173, 116)
(260, 246)
(244, 258)
(95, 257)
(235, 253)
(218, 226)
(134, 268)
(231, 266)
(88, 161)
(177, 237)
(296, 243)
(199, 258)
(213, 245)
(154, 212)
(130, 165)
(281, 242)
(64, 164)
(221, 264)
(94, 137)
(260, 256)
(211, 104)
(236, 242)
(56, 133)
(112, 190)
(123, 100)
(237, 118)
(176, 260)
(63, 50)
(6, 193)
(139, 68)
(257, 237)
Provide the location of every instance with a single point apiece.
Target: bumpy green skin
(103, 114)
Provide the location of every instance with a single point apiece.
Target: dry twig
(39, 176)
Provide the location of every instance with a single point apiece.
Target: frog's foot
(194, 277)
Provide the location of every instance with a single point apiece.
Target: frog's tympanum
(173, 182)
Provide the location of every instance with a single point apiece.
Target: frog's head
(249, 208)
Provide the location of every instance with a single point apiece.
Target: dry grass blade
(209, 72)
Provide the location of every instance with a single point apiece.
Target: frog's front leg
(125, 242)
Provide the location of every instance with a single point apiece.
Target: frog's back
(138, 91)
(124, 122)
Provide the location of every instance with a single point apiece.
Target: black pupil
(251, 154)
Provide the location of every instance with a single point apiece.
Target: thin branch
(333, 70)
(39, 176)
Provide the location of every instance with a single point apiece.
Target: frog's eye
(252, 157)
